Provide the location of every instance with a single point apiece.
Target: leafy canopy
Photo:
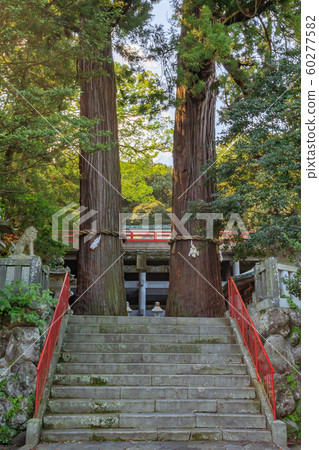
(258, 165)
(40, 127)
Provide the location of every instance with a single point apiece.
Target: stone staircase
(145, 378)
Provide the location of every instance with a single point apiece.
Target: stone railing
(28, 269)
(270, 289)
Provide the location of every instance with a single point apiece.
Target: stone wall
(19, 355)
(280, 328)
(18, 372)
(20, 341)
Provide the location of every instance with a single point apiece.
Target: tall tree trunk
(190, 289)
(100, 271)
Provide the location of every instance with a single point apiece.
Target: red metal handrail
(251, 340)
(50, 341)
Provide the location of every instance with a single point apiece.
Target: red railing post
(229, 298)
(50, 341)
(255, 345)
(273, 394)
(242, 324)
(264, 368)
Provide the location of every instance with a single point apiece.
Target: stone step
(68, 406)
(152, 392)
(238, 406)
(142, 378)
(152, 368)
(205, 420)
(158, 358)
(247, 435)
(139, 320)
(154, 420)
(150, 348)
(195, 434)
(202, 405)
(149, 338)
(75, 421)
(158, 420)
(214, 330)
(64, 435)
(150, 380)
(243, 392)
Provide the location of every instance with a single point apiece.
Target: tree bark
(197, 291)
(194, 291)
(100, 271)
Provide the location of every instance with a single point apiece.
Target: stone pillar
(35, 269)
(142, 293)
(283, 287)
(267, 282)
(236, 268)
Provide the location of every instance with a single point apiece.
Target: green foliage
(291, 303)
(291, 378)
(160, 179)
(258, 166)
(149, 210)
(294, 329)
(145, 182)
(134, 184)
(294, 283)
(144, 130)
(38, 183)
(19, 302)
(40, 143)
(38, 120)
(257, 171)
(7, 434)
(204, 39)
(237, 35)
(139, 93)
(294, 432)
(40, 127)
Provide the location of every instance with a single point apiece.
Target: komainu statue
(26, 240)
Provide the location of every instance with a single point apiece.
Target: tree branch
(235, 73)
(253, 9)
(266, 34)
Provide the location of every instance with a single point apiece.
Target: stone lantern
(157, 310)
